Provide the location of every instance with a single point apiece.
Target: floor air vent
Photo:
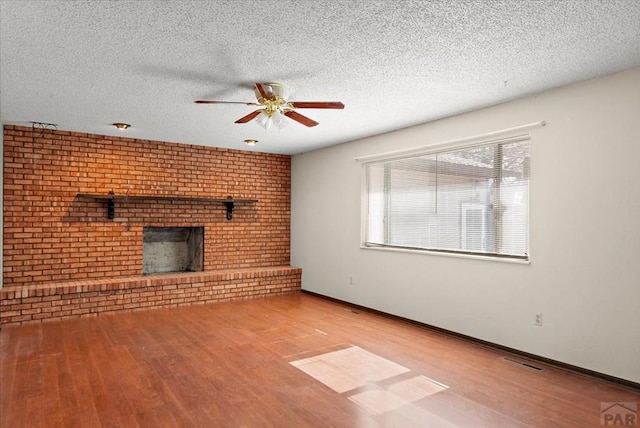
(523, 363)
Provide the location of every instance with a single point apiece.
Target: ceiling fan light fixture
(264, 120)
(279, 119)
(121, 126)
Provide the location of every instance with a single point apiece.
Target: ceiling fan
(273, 98)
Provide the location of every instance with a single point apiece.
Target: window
(472, 200)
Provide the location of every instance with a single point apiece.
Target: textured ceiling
(86, 64)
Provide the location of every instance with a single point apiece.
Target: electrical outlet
(538, 319)
(351, 280)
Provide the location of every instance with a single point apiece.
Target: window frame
(431, 150)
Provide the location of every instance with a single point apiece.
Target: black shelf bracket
(111, 206)
(42, 127)
(230, 204)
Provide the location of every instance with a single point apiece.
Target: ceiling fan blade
(249, 117)
(300, 118)
(225, 102)
(316, 104)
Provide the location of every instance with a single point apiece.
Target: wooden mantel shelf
(111, 199)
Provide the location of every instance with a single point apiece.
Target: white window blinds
(469, 200)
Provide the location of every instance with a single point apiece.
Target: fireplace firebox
(172, 249)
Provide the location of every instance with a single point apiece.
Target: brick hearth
(54, 301)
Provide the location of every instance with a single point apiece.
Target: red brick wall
(50, 235)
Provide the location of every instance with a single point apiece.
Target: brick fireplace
(61, 246)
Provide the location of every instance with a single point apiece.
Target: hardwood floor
(287, 361)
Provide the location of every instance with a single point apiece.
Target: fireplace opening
(172, 249)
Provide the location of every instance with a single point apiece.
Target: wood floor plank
(229, 365)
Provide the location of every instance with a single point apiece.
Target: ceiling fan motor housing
(274, 90)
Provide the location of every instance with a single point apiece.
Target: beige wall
(584, 274)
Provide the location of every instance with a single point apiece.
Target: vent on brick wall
(172, 249)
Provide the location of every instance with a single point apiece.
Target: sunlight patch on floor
(378, 401)
(399, 394)
(416, 388)
(349, 368)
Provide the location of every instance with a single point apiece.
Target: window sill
(443, 254)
